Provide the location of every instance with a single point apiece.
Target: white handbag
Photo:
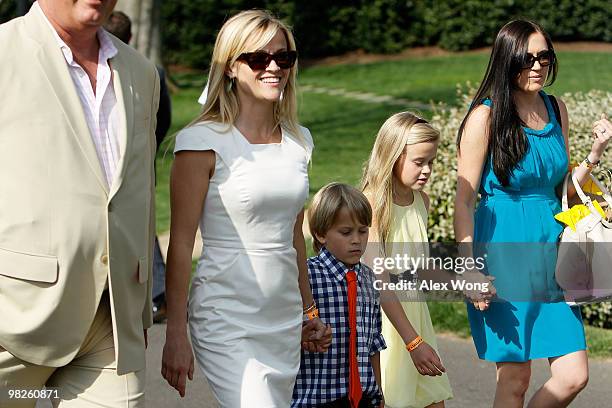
(584, 260)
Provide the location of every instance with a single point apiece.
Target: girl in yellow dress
(394, 177)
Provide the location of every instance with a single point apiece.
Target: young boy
(348, 374)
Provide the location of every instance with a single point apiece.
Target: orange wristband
(307, 309)
(414, 343)
(311, 314)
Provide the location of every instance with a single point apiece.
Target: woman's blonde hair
(327, 203)
(247, 31)
(401, 129)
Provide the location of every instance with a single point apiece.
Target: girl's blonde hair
(401, 129)
(247, 31)
(327, 203)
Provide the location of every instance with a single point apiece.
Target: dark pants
(344, 403)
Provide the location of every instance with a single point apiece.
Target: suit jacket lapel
(53, 66)
(122, 84)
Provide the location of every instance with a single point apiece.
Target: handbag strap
(564, 203)
(584, 198)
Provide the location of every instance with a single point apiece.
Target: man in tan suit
(77, 136)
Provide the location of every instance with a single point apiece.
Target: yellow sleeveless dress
(403, 386)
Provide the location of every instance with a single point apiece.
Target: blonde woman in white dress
(241, 172)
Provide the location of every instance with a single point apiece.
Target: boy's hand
(427, 361)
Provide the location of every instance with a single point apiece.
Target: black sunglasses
(545, 58)
(259, 60)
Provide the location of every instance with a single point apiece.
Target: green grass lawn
(344, 129)
(435, 78)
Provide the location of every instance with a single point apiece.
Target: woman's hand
(427, 361)
(602, 131)
(316, 336)
(177, 360)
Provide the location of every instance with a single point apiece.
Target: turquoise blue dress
(515, 226)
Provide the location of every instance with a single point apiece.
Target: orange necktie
(354, 381)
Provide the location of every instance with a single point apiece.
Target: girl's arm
(425, 358)
(320, 335)
(191, 172)
(472, 154)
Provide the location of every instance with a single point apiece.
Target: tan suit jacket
(63, 231)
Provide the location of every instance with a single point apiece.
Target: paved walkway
(473, 380)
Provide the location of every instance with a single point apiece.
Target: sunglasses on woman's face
(545, 58)
(259, 60)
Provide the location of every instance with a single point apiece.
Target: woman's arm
(472, 155)
(299, 243)
(597, 149)
(320, 335)
(191, 172)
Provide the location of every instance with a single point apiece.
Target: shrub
(326, 28)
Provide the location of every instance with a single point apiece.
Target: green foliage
(7, 11)
(325, 28)
(190, 27)
(598, 315)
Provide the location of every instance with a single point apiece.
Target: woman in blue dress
(513, 150)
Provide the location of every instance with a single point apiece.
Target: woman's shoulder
(478, 118)
(302, 137)
(205, 135)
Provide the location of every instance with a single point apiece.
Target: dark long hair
(507, 141)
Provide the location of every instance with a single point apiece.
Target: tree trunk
(145, 16)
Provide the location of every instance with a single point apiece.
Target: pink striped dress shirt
(100, 108)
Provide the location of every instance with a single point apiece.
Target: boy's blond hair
(328, 202)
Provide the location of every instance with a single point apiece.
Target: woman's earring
(230, 84)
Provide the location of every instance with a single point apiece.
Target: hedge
(325, 27)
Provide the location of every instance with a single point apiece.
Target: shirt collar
(335, 267)
(107, 48)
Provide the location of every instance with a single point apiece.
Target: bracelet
(414, 343)
(314, 313)
(313, 305)
(588, 164)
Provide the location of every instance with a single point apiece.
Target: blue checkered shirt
(323, 377)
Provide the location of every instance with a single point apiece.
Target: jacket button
(104, 259)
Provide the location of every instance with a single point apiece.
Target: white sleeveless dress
(245, 308)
